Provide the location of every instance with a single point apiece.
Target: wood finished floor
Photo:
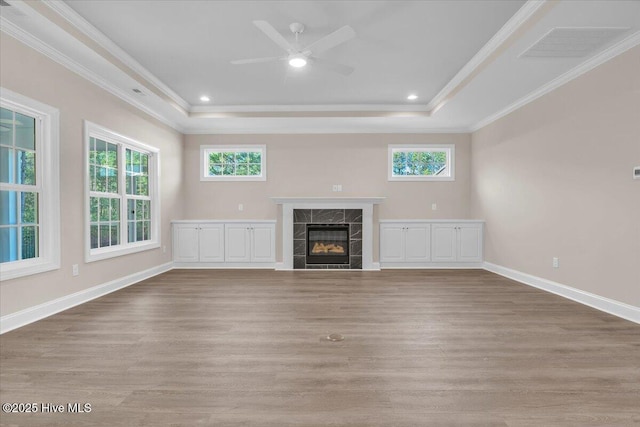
(422, 348)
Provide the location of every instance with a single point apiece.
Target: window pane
(115, 209)
(8, 244)
(228, 157)
(29, 208)
(145, 164)
(141, 185)
(25, 132)
(29, 242)
(215, 169)
(242, 170)
(112, 180)
(255, 169)
(147, 209)
(92, 178)
(92, 151)
(255, 157)
(115, 234)
(6, 127)
(94, 236)
(101, 179)
(131, 231)
(112, 156)
(105, 209)
(93, 208)
(419, 163)
(139, 230)
(146, 235)
(131, 209)
(26, 162)
(105, 236)
(215, 158)
(136, 162)
(8, 208)
(139, 209)
(101, 152)
(128, 159)
(242, 157)
(228, 169)
(6, 165)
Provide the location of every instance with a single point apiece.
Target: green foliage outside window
(419, 163)
(235, 163)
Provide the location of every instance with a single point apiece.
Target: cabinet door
(212, 243)
(185, 242)
(263, 243)
(443, 247)
(470, 243)
(391, 242)
(417, 246)
(237, 242)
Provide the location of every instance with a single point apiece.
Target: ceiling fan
(299, 57)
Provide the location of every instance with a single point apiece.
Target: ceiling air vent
(572, 42)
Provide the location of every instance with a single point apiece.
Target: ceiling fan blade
(345, 70)
(274, 35)
(339, 36)
(257, 60)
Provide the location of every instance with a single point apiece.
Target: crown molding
(82, 25)
(508, 29)
(322, 130)
(35, 43)
(337, 108)
(631, 41)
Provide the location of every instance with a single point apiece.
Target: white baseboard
(223, 265)
(431, 265)
(29, 315)
(616, 308)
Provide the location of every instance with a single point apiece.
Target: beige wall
(29, 73)
(554, 179)
(308, 165)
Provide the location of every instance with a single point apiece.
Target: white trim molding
(32, 314)
(47, 185)
(616, 308)
(630, 42)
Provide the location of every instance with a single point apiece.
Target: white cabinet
(457, 242)
(435, 243)
(402, 242)
(223, 243)
(194, 242)
(250, 242)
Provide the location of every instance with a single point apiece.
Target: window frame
(448, 148)
(47, 148)
(92, 130)
(204, 162)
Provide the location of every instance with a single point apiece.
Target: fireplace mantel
(291, 203)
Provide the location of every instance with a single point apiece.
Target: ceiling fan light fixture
(298, 61)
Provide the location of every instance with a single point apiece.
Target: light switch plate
(636, 172)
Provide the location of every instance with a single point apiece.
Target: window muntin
(29, 180)
(233, 163)
(123, 214)
(421, 163)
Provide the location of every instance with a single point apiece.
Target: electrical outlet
(240, 207)
(335, 187)
(75, 270)
(434, 206)
(556, 262)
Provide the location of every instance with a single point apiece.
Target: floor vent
(572, 42)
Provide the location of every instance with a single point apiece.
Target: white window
(122, 194)
(233, 163)
(29, 186)
(421, 162)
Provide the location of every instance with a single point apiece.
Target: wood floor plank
(249, 348)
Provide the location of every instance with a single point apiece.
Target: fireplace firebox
(327, 244)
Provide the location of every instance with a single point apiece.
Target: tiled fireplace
(339, 231)
(327, 238)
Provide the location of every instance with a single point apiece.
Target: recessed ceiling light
(412, 97)
(298, 61)
(205, 98)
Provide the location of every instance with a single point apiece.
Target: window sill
(233, 178)
(106, 253)
(24, 268)
(421, 178)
